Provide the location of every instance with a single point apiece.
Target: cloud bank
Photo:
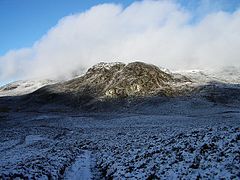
(159, 32)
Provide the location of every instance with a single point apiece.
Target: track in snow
(81, 168)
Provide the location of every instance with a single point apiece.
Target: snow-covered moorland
(201, 143)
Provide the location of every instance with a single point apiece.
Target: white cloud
(158, 32)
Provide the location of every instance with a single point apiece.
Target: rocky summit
(119, 80)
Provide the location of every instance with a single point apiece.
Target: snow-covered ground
(81, 168)
(230, 75)
(189, 141)
(19, 88)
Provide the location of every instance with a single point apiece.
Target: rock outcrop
(118, 80)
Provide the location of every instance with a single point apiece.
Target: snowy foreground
(199, 141)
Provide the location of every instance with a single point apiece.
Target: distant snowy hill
(229, 75)
(23, 87)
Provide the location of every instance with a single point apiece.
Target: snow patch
(30, 139)
(106, 65)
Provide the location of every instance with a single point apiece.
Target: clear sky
(22, 22)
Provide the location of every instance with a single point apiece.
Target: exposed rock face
(138, 79)
(115, 80)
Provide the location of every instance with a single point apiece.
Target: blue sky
(23, 22)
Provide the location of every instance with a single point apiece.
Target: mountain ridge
(111, 86)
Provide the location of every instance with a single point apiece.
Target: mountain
(19, 88)
(122, 80)
(110, 86)
(229, 75)
(111, 81)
